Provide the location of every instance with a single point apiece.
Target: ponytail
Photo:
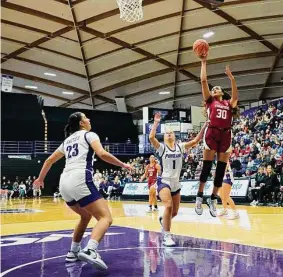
(67, 131)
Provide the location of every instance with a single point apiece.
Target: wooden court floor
(257, 226)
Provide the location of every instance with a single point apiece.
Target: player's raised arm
(152, 138)
(203, 79)
(197, 139)
(234, 99)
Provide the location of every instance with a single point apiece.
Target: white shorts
(77, 187)
(174, 186)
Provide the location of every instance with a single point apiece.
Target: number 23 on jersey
(72, 150)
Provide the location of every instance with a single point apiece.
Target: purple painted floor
(133, 253)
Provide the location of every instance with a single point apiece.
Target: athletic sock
(92, 244)
(155, 206)
(75, 246)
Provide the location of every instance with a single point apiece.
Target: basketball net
(130, 10)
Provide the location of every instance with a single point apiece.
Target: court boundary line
(120, 249)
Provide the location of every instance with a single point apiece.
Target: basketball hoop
(130, 10)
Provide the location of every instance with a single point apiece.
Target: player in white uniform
(168, 185)
(224, 194)
(77, 187)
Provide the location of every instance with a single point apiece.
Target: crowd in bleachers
(257, 144)
(19, 188)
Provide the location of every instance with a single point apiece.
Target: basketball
(201, 47)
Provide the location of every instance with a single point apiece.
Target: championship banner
(148, 127)
(190, 188)
(6, 83)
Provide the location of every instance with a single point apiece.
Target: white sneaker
(252, 203)
(92, 257)
(149, 210)
(167, 240)
(155, 210)
(72, 257)
(223, 212)
(233, 216)
(212, 206)
(198, 208)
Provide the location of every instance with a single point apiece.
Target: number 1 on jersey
(174, 164)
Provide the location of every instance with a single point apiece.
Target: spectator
(260, 180)
(270, 186)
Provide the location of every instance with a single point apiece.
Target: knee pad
(206, 168)
(219, 174)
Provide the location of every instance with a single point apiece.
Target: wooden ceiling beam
(36, 43)
(61, 1)
(274, 64)
(238, 24)
(178, 50)
(32, 29)
(42, 48)
(37, 13)
(82, 52)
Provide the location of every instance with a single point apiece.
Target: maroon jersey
(152, 174)
(219, 113)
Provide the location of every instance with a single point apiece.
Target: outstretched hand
(228, 72)
(128, 167)
(38, 184)
(157, 117)
(203, 58)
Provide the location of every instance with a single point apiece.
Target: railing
(48, 147)
(17, 147)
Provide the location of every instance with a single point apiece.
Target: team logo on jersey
(173, 156)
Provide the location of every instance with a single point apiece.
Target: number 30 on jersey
(221, 114)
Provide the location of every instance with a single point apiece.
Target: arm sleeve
(90, 137)
(161, 149)
(61, 148)
(182, 147)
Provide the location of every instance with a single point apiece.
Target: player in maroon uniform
(152, 170)
(217, 136)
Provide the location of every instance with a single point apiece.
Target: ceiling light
(50, 74)
(67, 92)
(208, 34)
(164, 92)
(31, 87)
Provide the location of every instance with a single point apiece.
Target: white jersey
(77, 150)
(171, 162)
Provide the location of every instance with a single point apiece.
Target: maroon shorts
(219, 140)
